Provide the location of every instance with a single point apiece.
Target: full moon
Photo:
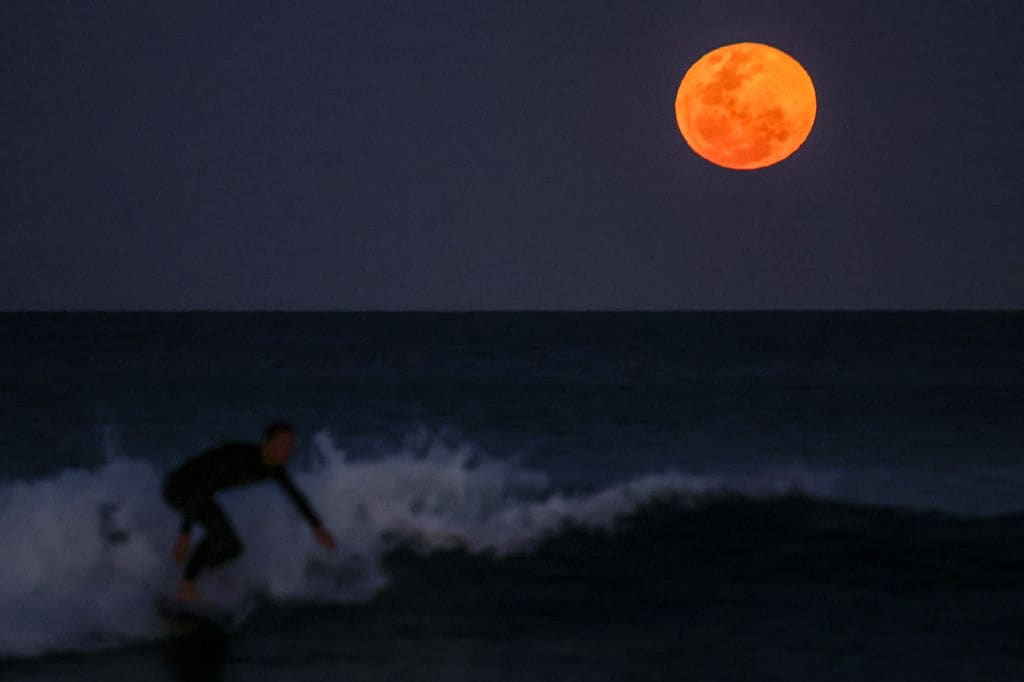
(745, 106)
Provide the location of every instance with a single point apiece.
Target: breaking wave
(86, 549)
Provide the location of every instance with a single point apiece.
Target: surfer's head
(278, 443)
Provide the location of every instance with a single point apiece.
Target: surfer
(190, 489)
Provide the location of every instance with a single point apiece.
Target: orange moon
(745, 106)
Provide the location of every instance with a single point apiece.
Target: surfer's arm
(181, 545)
(184, 539)
(188, 512)
(285, 481)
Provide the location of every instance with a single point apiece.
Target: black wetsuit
(190, 489)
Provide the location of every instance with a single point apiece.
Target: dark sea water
(525, 496)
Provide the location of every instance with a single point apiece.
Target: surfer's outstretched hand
(181, 547)
(323, 537)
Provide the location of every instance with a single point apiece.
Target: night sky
(480, 155)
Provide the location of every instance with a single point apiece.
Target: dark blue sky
(454, 155)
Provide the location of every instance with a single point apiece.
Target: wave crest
(87, 548)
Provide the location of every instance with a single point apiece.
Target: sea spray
(87, 548)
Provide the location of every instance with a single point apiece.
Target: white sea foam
(85, 549)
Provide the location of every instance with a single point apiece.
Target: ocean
(524, 496)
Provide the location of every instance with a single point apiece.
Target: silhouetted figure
(190, 489)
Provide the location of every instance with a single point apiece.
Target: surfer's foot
(187, 591)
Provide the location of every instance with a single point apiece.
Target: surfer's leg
(220, 543)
